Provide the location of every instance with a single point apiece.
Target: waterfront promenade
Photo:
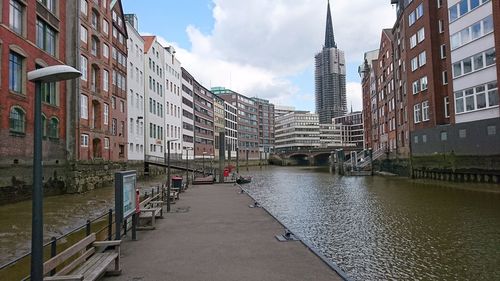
(212, 234)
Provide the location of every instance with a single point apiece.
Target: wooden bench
(91, 260)
(151, 208)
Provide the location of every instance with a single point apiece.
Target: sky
(264, 48)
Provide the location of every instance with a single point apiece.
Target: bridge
(190, 165)
(318, 156)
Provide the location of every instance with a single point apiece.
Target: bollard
(87, 228)
(134, 226)
(110, 224)
(53, 252)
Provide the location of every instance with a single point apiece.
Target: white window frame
(106, 114)
(84, 107)
(105, 80)
(425, 111)
(84, 140)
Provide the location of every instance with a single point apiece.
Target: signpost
(125, 198)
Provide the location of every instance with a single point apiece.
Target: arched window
(54, 128)
(17, 120)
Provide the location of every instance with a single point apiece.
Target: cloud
(256, 46)
(354, 96)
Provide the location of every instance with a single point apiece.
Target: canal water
(62, 214)
(387, 228)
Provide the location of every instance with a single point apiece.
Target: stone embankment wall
(61, 178)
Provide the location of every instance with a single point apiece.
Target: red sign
(226, 173)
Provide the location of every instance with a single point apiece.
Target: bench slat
(64, 278)
(67, 269)
(93, 261)
(100, 268)
(66, 254)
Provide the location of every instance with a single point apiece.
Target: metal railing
(17, 268)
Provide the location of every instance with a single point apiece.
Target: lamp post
(203, 162)
(187, 164)
(168, 174)
(44, 75)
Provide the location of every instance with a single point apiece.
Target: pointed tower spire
(329, 37)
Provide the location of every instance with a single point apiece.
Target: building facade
(248, 128)
(101, 52)
(173, 106)
(369, 90)
(187, 113)
(219, 124)
(298, 130)
(280, 110)
(154, 90)
(266, 127)
(32, 35)
(231, 129)
(203, 122)
(135, 86)
(330, 77)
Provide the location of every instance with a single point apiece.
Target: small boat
(242, 180)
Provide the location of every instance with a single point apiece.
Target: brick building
(265, 114)
(32, 35)
(369, 85)
(99, 47)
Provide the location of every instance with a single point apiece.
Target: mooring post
(53, 252)
(110, 224)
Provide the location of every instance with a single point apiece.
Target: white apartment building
(154, 88)
(280, 110)
(173, 103)
(231, 128)
(187, 113)
(473, 58)
(135, 90)
(297, 130)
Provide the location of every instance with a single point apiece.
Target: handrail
(12, 262)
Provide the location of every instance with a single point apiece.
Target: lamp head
(53, 74)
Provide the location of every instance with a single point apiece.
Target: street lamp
(44, 75)
(187, 164)
(203, 161)
(168, 173)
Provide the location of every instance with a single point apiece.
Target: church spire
(329, 37)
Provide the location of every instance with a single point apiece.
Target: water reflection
(379, 228)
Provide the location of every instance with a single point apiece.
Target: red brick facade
(203, 122)
(102, 130)
(16, 128)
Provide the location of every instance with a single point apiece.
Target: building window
(84, 7)
(54, 128)
(423, 83)
(416, 87)
(15, 72)
(472, 32)
(17, 120)
(444, 77)
(84, 67)
(49, 4)
(105, 80)
(422, 59)
(105, 50)
(94, 46)
(95, 20)
(106, 143)
(83, 34)
(106, 114)
(463, 7)
(479, 97)
(16, 16)
(443, 51)
(444, 136)
(84, 107)
(492, 130)
(84, 140)
(417, 114)
(46, 37)
(474, 63)
(421, 35)
(462, 133)
(114, 127)
(441, 26)
(425, 111)
(105, 26)
(446, 107)
(49, 94)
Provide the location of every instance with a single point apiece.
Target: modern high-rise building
(330, 77)
(203, 121)
(265, 114)
(297, 130)
(187, 112)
